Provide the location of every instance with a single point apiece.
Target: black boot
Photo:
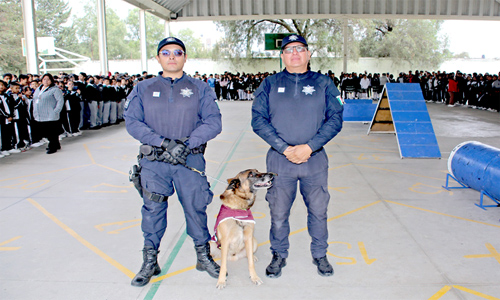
(149, 267)
(205, 261)
(273, 270)
(324, 267)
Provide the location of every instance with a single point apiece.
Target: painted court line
(82, 240)
(443, 214)
(43, 173)
(394, 171)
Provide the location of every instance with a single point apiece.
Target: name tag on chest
(281, 90)
(156, 94)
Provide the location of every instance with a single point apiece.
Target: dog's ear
(229, 180)
(234, 184)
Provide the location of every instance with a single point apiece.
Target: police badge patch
(186, 93)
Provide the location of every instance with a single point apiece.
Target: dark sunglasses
(177, 52)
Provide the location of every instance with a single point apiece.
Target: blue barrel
(476, 165)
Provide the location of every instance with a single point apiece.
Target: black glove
(176, 152)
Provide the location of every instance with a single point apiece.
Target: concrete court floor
(69, 222)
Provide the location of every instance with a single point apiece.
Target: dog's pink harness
(225, 213)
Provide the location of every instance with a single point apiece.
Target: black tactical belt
(153, 153)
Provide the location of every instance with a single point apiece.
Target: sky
(478, 38)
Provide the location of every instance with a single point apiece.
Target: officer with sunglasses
(297, 112)
(173, 116)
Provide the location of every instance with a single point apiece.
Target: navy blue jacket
(294, 109)
(160, 108)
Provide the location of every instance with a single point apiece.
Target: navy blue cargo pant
(192, 190)
(313, 182)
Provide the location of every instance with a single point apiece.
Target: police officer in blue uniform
(173, 116)
(297, 112)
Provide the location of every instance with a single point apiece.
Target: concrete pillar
(29, 24)
(142, 34)
(101, 32)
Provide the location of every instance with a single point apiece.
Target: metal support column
(101, 31)
(346, 39)
(142, 34)
(167, 28)
(29, 22)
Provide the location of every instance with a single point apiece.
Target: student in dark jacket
(72, 101)
(6, 121)
(93, 97)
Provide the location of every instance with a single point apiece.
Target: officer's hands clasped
(175, 151)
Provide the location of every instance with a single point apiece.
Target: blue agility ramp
(358, 110)
(402, 110)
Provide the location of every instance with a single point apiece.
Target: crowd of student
(471, 90)
(92, 102)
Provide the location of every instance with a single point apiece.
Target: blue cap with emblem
(293, 38)
(168, 41)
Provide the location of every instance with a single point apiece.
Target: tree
(87, 35)
(194, 46)
(245, 38)
(154, 33)
(86, 31)
(414, 41)
(51, 15)
(11, 57)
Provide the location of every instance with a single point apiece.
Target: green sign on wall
(273, 40)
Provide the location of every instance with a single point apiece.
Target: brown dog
(235, 223)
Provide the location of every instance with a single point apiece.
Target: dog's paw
(221, 284)
(256, 280)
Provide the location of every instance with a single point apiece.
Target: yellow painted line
(9, 241)
(437, 189)
(493, 253)
(364, 253)
(475, 293)
(370, 148)
(212, 161)
(353, 211)
(124, 228)
(93, 248)
(440, 293)
(172, 274)
(88, 153)
(362, 157)
(331, 219)
(100, 227)
(338, 167)
(111, 169)
(247, 158)
(43, 173)
(261, 244)
(339, 189)
(394, 171)
(116, 186)
(443, 214)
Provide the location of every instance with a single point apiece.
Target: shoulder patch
(127, 102)
(341, 101)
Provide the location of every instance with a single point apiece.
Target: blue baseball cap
(293, 38)
(168, 41)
